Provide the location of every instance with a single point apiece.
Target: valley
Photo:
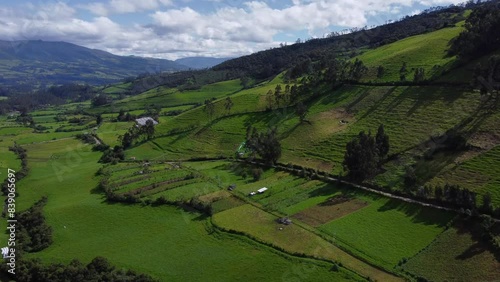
(381, 163)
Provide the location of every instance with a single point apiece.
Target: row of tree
(99, 269)
(23, 172)
(32, 232)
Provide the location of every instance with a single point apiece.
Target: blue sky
(173, 29)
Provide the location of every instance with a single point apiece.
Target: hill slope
(42, 62)
(200, 62)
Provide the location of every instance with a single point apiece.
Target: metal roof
(142, 121)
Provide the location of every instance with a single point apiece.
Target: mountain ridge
(200, 62)
(38, 62)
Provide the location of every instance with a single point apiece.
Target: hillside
(188, 191)
(45, 62)
(200, 62)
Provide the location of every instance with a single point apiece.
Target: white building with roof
(142, 121)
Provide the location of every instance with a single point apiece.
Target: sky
(173, 29)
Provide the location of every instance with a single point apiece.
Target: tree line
(99, 269)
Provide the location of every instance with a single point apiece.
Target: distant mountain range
(201, 62)
(37, 62)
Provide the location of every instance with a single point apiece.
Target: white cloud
(229, 30)
(96, 8)
(125, 6)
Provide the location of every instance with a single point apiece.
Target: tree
(486, 206)
(360, 159)
(127, 139)
(402, 72)
(121, 115)
(410, 177)
(266, 145)
(488, 79)
(245, 81)
(403, 68)
(364, 153)
(269, 99)
(149, 129)
(356, 70)
(286, 95)
(100, 100)
(270, 146)
(380, 71)
(277, 94)
(209, 108)
(301, 110)
(480, 36)
(100, 265)
(438, 193)
(112, 155)
(419, 75)
(257, 173)
(382, 141)
(228, 104)
(294, 93)
(98, 119)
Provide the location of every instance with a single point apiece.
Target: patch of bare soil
(331, 209)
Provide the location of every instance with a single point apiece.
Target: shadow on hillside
(334, 97)
(289, 131)
(473, 250)
(471, 227)
(472, 123)
(378, 104)
(325, 190)
(360, 98)
(418, 214)
(427, 169)
(423, 96)
(179, 137)
(269, 118)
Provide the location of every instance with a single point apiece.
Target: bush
(257, 173)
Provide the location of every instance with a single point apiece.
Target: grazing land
(248, 171)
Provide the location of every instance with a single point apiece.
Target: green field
(80, 217)
(456, 255)
(388, 231)
(426, 51)
(262, 226)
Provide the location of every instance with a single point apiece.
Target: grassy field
(388, 230)
(327, 211)
(428, 51)
(294, 239)
(109, 132)
(456, 255)
(86, 226)
(396, 230)
(166, 97)
(480, 174)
